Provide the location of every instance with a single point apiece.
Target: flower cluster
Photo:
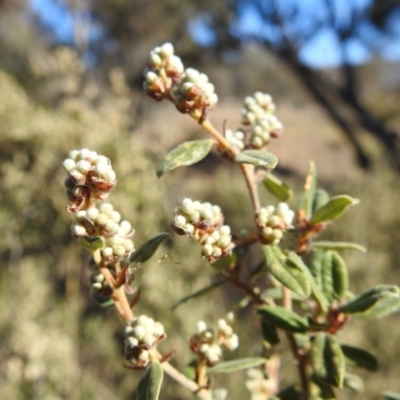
(208, 344)
(203, 221)
(106, 222)
(141, 335)
(260, 122)
(273, 222)
(89, 176)
(258, 385)
(165, 77)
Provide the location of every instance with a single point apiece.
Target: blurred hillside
(57, 343)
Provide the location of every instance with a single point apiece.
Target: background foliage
(57, 344)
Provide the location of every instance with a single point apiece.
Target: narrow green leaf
(327, 359)
(279, 189)
(382, 308)
(334, 209)
(273, 256)
(104, 301)
(300, 272)
(353, 382)
(367, 299)
(150, 383)
(227, 367)
(198, 294)
(327, 277)
(284, 319)
(308, 194)
(340, 276)
(269, 332)
(319, 297)
(320, 199)
(147, 250)
(258, 158)
(187, 153)
(320, 390)
(359, 358)
(92, 242)
(327, 245)
(391, 396)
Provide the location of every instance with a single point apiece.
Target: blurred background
(71, 77)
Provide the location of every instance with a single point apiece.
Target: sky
(319, 52)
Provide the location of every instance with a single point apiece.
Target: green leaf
(327, 359)
(279, 189)
(340, 276)
(104, 301)
(382, 308)
(284, 319)
(150, 383)
(300, 272)
(187, 153)
(227, 367)
(356, 357)
(391, 396)
(147, 250)
(308, 195)
(353, 382)
(319, 297)
(366, 300)
(258, 158)
(198, 294)
(327, 276)
(320, 390)
(269, 332)
(274, 257)
(92, 242)
(327, 245)
(334, 209)
(320, 199)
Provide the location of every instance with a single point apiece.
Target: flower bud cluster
(89, 174)
(208, 344)
(194, 93)
(98, 281)
(203, 222)
(259, 387)
(106, 222)
(235, 138)
(165, 77)
(258, 114)
(141, 335)
(272, 223)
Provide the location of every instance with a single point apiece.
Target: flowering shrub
(299, 289)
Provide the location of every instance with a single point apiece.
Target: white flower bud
(232, 342)
(216, 252)
(139, 331)
(131, 341)
(126, 226)
(187, 206)
(148, 339)
(69, 164)
(207, 250)
(188, 228)
(167, 49)
(158, 329)
(107, 252)
(92, 213)
(115, 216)
(180, 221)
(102, 219)
(96, 286)
(144, 356)
(78, 230)
(107, 209)
(201, 326)
(128, 245)
(74, 155)
(119, 250)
